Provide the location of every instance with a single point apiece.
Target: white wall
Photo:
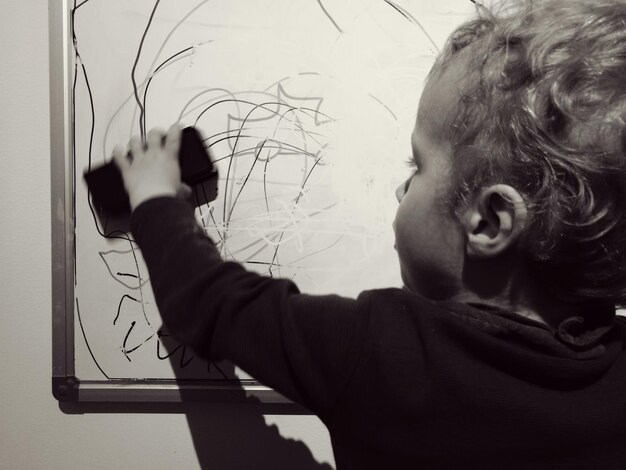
(34, 433)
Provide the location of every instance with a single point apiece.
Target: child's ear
(494, 221)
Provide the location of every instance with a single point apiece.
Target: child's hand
(154, 170)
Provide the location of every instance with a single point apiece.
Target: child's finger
(136, 147)
(154, 138)
(184, 191)
(172, 141)
(120, 159)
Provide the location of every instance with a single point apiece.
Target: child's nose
(402, 189)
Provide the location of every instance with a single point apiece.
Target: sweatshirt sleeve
(303, 346)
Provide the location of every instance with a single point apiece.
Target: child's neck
(509, 287)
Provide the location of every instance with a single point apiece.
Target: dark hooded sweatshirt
(400, 381)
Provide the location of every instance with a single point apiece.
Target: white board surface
(307, 107)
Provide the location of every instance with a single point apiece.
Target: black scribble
(328, 15)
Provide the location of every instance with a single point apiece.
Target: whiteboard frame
(66, 387)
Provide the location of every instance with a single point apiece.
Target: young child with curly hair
(503, 350)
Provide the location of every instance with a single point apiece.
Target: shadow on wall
(226, 435)
(238, 438)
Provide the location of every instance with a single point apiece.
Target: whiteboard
(307, 109)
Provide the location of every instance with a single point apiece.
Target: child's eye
(410, 162)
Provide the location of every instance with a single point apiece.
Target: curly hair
(543, 108)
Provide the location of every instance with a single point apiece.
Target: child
(503, 350)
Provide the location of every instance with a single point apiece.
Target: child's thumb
(120, 159)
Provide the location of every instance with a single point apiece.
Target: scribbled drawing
(332, 20)
(261, 208)
(84, 337)
(123, 266)
(297, 113)
(413, 20)
(185, 357)
(402, 11)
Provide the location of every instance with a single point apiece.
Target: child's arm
(305, 347)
